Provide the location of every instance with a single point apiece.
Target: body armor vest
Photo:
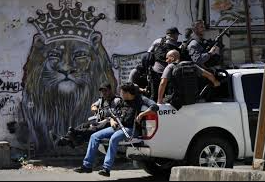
(185, 84)
(162, 49)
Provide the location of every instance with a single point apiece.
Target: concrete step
(215, 174)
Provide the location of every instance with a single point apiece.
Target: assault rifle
(148, 69)
(129, 138)
(148, 87)
(97, 116)
(216, 41)
(101, 112)
(99, 109)
(116, 118)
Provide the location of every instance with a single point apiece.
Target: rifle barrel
(227, 28)
(216, 40)
(120, 124)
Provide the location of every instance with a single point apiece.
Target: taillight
(151, 125)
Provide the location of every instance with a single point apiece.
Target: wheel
(212, 152)
(158, 167)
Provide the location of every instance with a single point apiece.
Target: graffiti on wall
(65, 67)
(9, 106)
(9, 102)
(10, 87)
(125, 63)
(4, 100)
(7, 74)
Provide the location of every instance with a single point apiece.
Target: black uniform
(139, 76)
(130, 109)
(184, 81)
(159, 49)
(80, 134)
(198, 52)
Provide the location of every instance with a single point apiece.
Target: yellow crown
(66, 23)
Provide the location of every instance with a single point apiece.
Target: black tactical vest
(162, 49)
(129, 110)
(105, 106)
(185, 84)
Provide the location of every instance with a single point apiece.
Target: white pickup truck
(214, 132)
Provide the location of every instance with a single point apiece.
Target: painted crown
(66, 23)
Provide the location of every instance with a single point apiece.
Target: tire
(158, 167)
(211, 151)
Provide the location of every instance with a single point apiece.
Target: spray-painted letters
(9, 106)
(10, 87)
(4, 100)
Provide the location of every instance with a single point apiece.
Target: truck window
(252, 85)
(223, 93)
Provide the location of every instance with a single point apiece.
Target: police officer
(139, 76)
(197, 47)
(184, 46)
(159, 49)
(80, 134)
(131, 113)
(179, 82)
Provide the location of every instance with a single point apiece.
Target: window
(252, 86)
(224, 93)
(130, 10)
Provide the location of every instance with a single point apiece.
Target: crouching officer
(77, 136)
(138, 76)
(183, 77)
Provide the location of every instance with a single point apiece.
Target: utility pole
(258, 160)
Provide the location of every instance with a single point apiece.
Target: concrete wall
(117, 37)
(16, 37)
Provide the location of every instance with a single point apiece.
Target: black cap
(173, 30)
(105, 85)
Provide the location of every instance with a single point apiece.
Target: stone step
(215, 174)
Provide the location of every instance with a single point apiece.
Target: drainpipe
(248, 20)
(201, 9)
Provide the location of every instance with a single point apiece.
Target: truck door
(252, 85)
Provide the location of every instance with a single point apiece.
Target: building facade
(54, 54)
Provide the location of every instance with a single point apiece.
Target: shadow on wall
(66, 64)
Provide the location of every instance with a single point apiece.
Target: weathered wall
(16, 37)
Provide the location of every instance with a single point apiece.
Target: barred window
(130, 10)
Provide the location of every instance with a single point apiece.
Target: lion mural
(63, 74)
